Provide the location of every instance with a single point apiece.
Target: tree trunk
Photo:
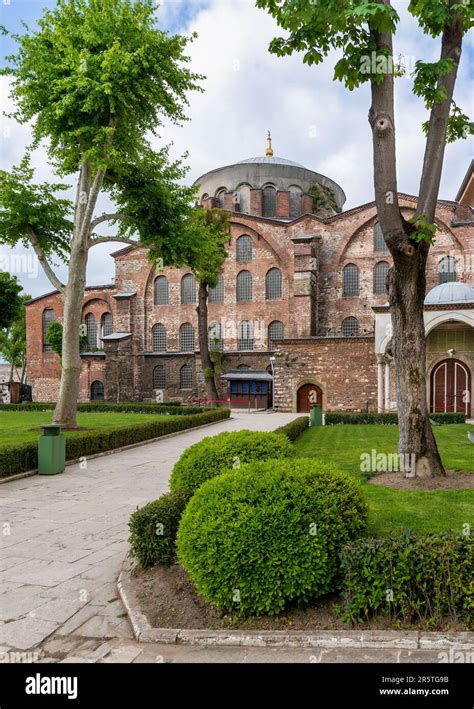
(406, 285)
(66, 407)
(206, 361)
(65, 412)
(417, 445)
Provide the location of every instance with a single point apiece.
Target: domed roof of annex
(451, 292)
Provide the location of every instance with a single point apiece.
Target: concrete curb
(74, 461)
(330, 639)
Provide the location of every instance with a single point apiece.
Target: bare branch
(105, 239)
(451, 46)
(44, 261)
(91, 202)
(109, 218)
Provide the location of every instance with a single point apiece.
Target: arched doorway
(450, 387)
(308, 395)
(97, 391)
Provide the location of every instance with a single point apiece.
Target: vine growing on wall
(324, 199)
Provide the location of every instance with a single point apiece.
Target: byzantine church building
(299, 315)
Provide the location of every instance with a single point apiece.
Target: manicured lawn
(393, 510)
(18, 426)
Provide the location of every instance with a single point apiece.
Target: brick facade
(310, 253)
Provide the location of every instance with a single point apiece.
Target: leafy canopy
(348, 26)
(96, 77)
(10, 300)
(96, 80)
(13, 338)
(208, 237)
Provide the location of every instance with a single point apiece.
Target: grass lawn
(390, 510)
(18, 426)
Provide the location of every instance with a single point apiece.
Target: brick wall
(343, 368)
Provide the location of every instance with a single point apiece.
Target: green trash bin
(316, 416)
(51, 450)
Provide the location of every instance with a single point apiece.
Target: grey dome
(451, 292)
(269, 161)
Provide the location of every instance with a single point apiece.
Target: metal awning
(116, 336)
(119, 296)
(256, 375)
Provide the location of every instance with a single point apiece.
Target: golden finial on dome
(269, 152)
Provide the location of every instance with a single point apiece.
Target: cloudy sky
(313, 120)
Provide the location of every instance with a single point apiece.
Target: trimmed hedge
(153, 529)
(295, 428)
(18, 459)
(333, 418)
(99, 407)
(427, 577)
(212, 455)
(270, 533)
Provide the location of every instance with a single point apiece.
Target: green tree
(362, 31)
(11, 303)
(13, 342)
(96, 80)
(54, 335)
(209, 236)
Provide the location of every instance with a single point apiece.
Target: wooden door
(450, 387)
(309, 395)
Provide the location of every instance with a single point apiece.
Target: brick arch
(277, 250)
(100, 299)
(371, 221)
(307, 382)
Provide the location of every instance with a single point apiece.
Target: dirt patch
(168, 600)
(454, 480)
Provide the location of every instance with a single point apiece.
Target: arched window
(245, 335)
(273, 284)
(204, 197)
(243, 366)
(186, 338)
(275, 332)
(49, 316)
(269, 202)
(350, 327)
(97, 391)
(162, 296)
(379, 241)
(159, 377)
(244, 286)
(186, 377)
(244, 199)
(188, 289)
(216, 341)
(220, 197)
(380, 276)
(350, 277)
(216, 295)
(447, 270)
(158, 337)
(106, 325)
(295, 201)
(243, 248)
(91, 328)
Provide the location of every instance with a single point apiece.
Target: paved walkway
(63, 540)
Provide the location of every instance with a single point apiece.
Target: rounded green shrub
(206, 459)
(153, 529)
(270, 533)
